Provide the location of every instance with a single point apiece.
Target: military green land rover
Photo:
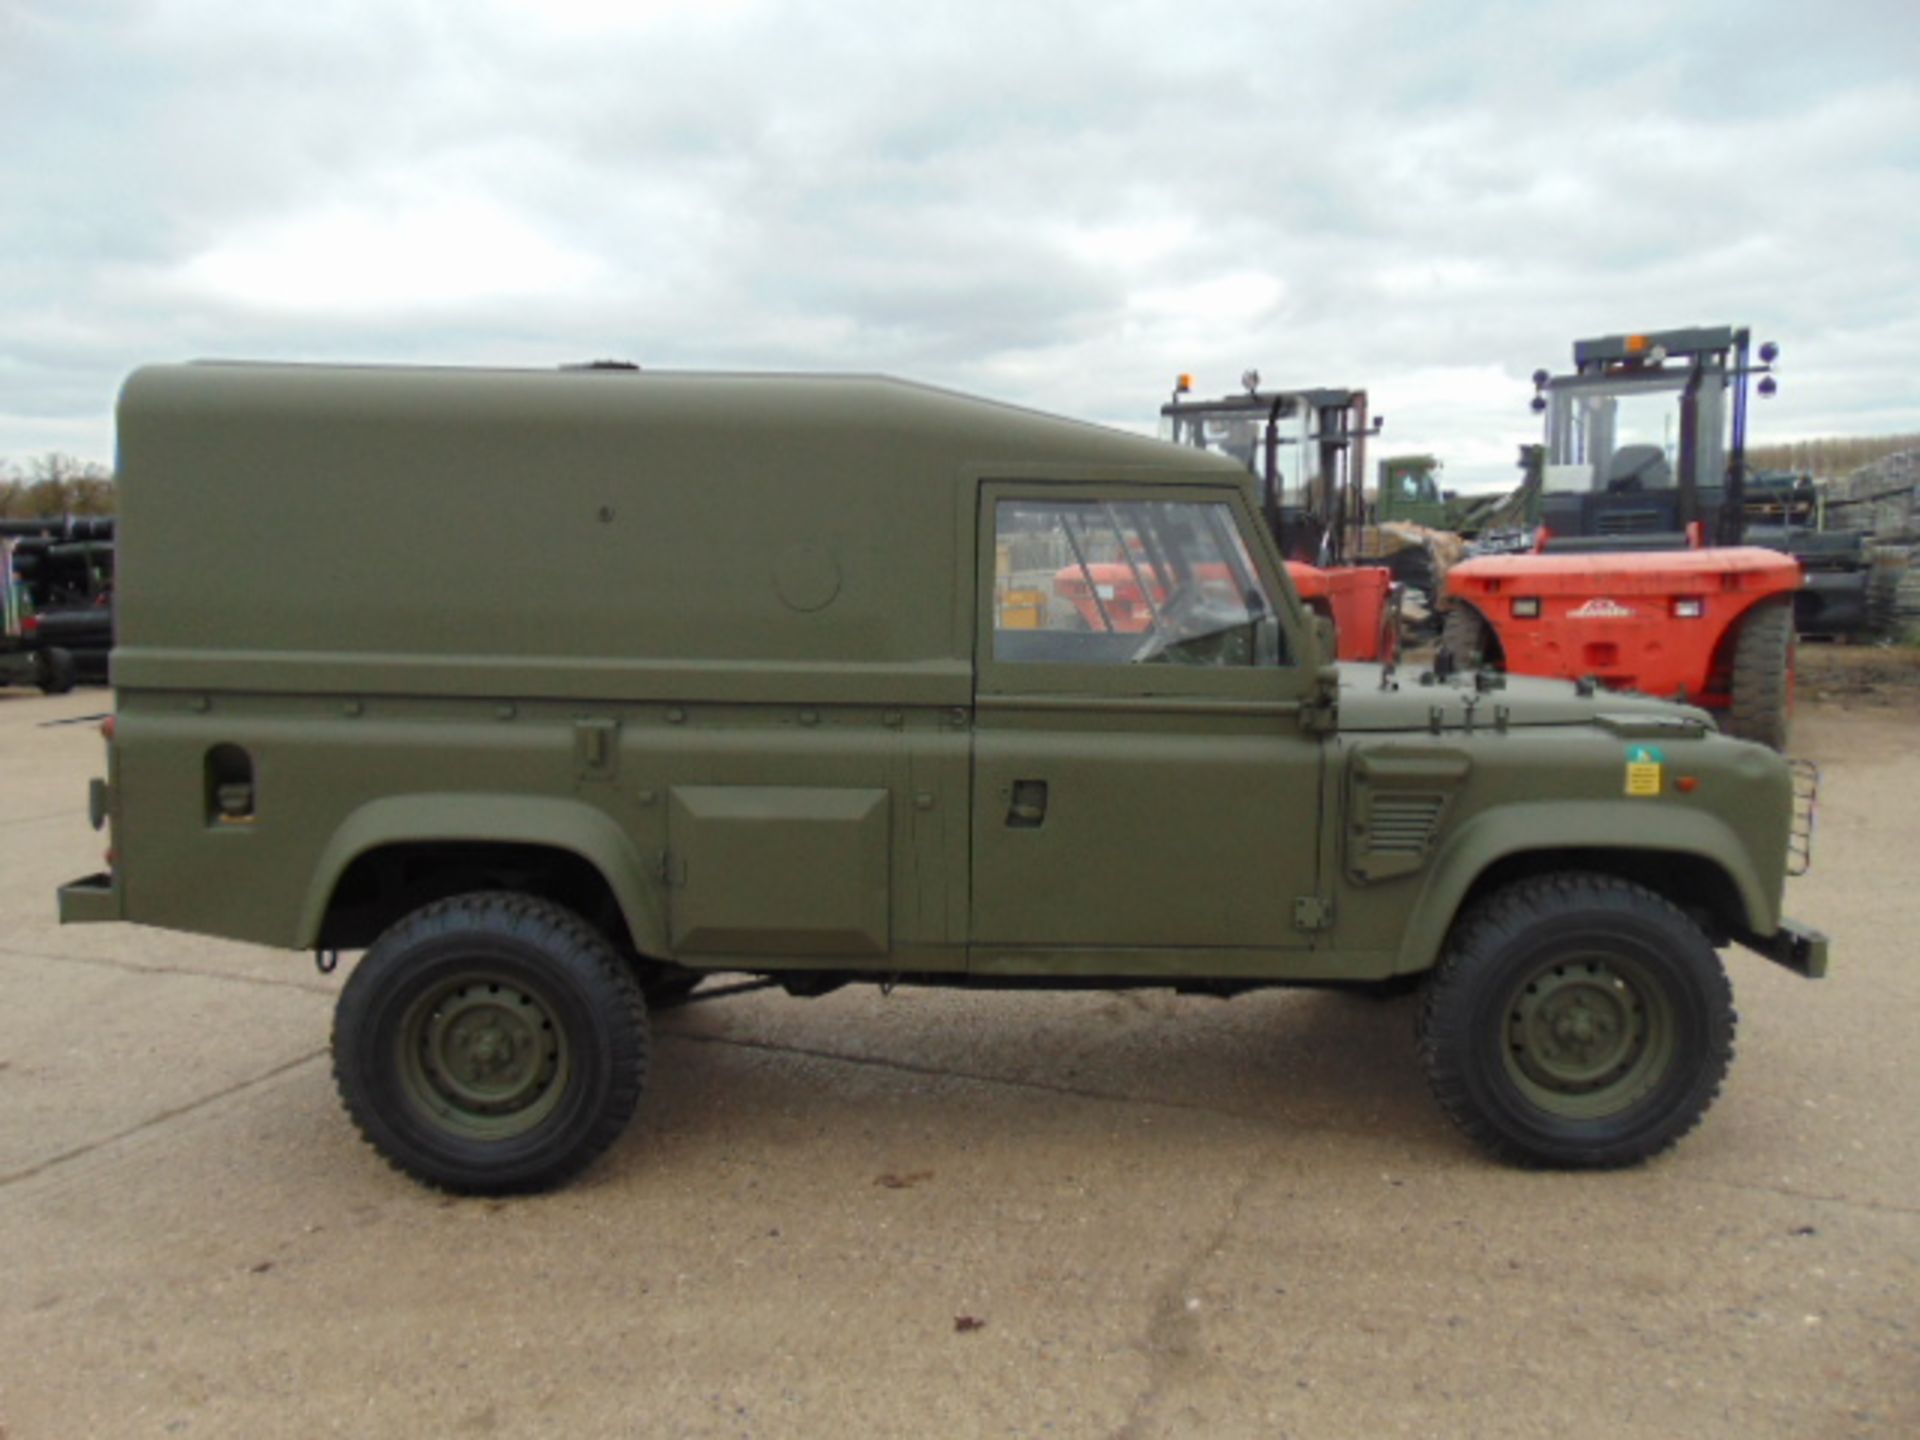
(557, 692)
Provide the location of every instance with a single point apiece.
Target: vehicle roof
(792, 404)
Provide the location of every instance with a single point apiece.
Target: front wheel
(490, 1043)
(1761, 701)
(1577, 1021)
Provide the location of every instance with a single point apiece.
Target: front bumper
(1800, 948)
(91, 900)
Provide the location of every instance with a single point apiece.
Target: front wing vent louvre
(1399, 797)
(1403, 824)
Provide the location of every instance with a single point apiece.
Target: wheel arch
(395, 854)
(1701, 866)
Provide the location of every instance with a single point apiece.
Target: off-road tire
(1509, 1056)
(1760, 689)
(1885, 566)
(490, 1043)
(54, 671)
(1466, 636)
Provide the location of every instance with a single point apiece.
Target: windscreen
(1623, 433)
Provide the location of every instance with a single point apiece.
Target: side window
(1129, 582)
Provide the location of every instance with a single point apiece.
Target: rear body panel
(1615, 616)
(1358, 599)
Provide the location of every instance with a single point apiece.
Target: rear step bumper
(91, 900)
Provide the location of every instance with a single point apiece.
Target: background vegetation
(54, 484)
(1830, 458)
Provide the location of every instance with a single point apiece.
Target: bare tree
(56, 484)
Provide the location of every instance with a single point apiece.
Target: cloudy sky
(1058, 204)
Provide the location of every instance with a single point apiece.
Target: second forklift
(1638, 579)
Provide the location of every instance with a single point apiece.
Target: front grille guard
(1806, 804)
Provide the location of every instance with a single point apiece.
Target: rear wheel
(1466, 636)
(490, 1043)
(54, 671)
(1577, 1021)
(1761, 689)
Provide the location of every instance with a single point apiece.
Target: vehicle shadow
(769, 1071)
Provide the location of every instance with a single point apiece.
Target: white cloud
(420, 257)
(600, 18)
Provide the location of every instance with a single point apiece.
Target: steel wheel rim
(484, 1055)
(1589, 1037)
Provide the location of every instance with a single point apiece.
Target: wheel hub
(484, 1054)
(1576, 1029)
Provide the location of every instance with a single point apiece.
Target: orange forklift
(1307, 448)
(1638, 579)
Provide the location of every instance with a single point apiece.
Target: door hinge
(1320, 713)
(596, 749)
(1312, 912)
(670, 869)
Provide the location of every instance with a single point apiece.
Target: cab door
(1143, 781)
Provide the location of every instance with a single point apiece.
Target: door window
(1128, 582)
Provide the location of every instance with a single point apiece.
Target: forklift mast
(1307, 448)
(1609, 482)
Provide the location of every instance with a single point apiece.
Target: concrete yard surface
(949, 1215)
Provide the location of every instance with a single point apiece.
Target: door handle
(1029, 808)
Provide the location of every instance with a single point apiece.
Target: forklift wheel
(1466, 636)
(1885, 566)
(54, 671)
(1762, 691)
